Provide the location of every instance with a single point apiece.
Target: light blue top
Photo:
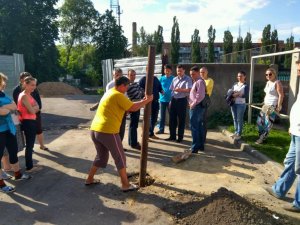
(6, 122)
(166, 83)
(184, 82)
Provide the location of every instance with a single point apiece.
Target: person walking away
(164, 99)
(291, 162)
(105, 131)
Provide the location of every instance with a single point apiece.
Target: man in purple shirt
(197, 94)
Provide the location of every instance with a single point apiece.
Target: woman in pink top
(28, 108)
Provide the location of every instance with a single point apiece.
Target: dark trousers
(177, 112)
(122, 127)
(205, 124)
(29, 128)
(132, 134)
(9, 141)
(154, 116)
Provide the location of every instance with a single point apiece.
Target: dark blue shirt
(157, 88)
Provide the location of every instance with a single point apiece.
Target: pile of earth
(226, 207)
(49, 89)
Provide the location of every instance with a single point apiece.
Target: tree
(30, 28)
(211, 41)
(227, 44)
(158, 39)
(247, 46)
(175, 41)
(266, 38)
(78, 18)
(195, 43)
(109, 40)
(288, 46)
(238, 47)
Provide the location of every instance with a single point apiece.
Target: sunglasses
(269, 74)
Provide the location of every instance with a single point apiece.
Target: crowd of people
(21, 117)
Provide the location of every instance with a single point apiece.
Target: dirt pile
(49, 89)
(225, 207)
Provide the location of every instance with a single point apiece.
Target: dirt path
(56, 195)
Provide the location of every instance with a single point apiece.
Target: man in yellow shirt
(105, 131)
(209, 87)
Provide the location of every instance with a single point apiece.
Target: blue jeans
(197, 128)
(290, 172)
(164, 106)
(238, 111)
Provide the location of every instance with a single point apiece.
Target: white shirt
(295, 118)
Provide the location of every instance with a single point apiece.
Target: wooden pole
(147, 114)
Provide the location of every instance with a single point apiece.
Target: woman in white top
(272, 102)
(240, 94)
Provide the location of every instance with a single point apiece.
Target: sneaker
(233, 135)
(237, 137)
(24, 176)
(291, 208)
(6, 176)
(159, 132)
(259, 141)
(153, 137)
(271, 192)
(7, 189)
(34, 169)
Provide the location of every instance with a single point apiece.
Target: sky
(248, 15)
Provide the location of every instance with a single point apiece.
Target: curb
(276, 167)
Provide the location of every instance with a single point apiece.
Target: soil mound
(225, 207)
(49, 89)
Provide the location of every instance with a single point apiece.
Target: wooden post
(147, 114)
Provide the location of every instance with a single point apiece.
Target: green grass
(275, 146)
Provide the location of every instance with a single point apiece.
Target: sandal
(44, 148)
(95, 181)
(132, 187)
(7, 189)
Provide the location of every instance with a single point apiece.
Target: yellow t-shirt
(110, 112)
(209, 85)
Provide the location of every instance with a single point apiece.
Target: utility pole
(115, 7)
(147, 114)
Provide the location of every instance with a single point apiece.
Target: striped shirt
(135, 92)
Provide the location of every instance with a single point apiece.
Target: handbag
(205, 103)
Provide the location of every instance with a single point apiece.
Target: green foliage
(218, 118)
(144, 40)
(100, 91)
(227, 45)
(175, 41)
(80, 63)
(288, 46)
(247, 45)
(266, 37)
(78, 18)
(211, 41)
(195, 43)
(30, 28)
(110, 43)
(275, 146)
